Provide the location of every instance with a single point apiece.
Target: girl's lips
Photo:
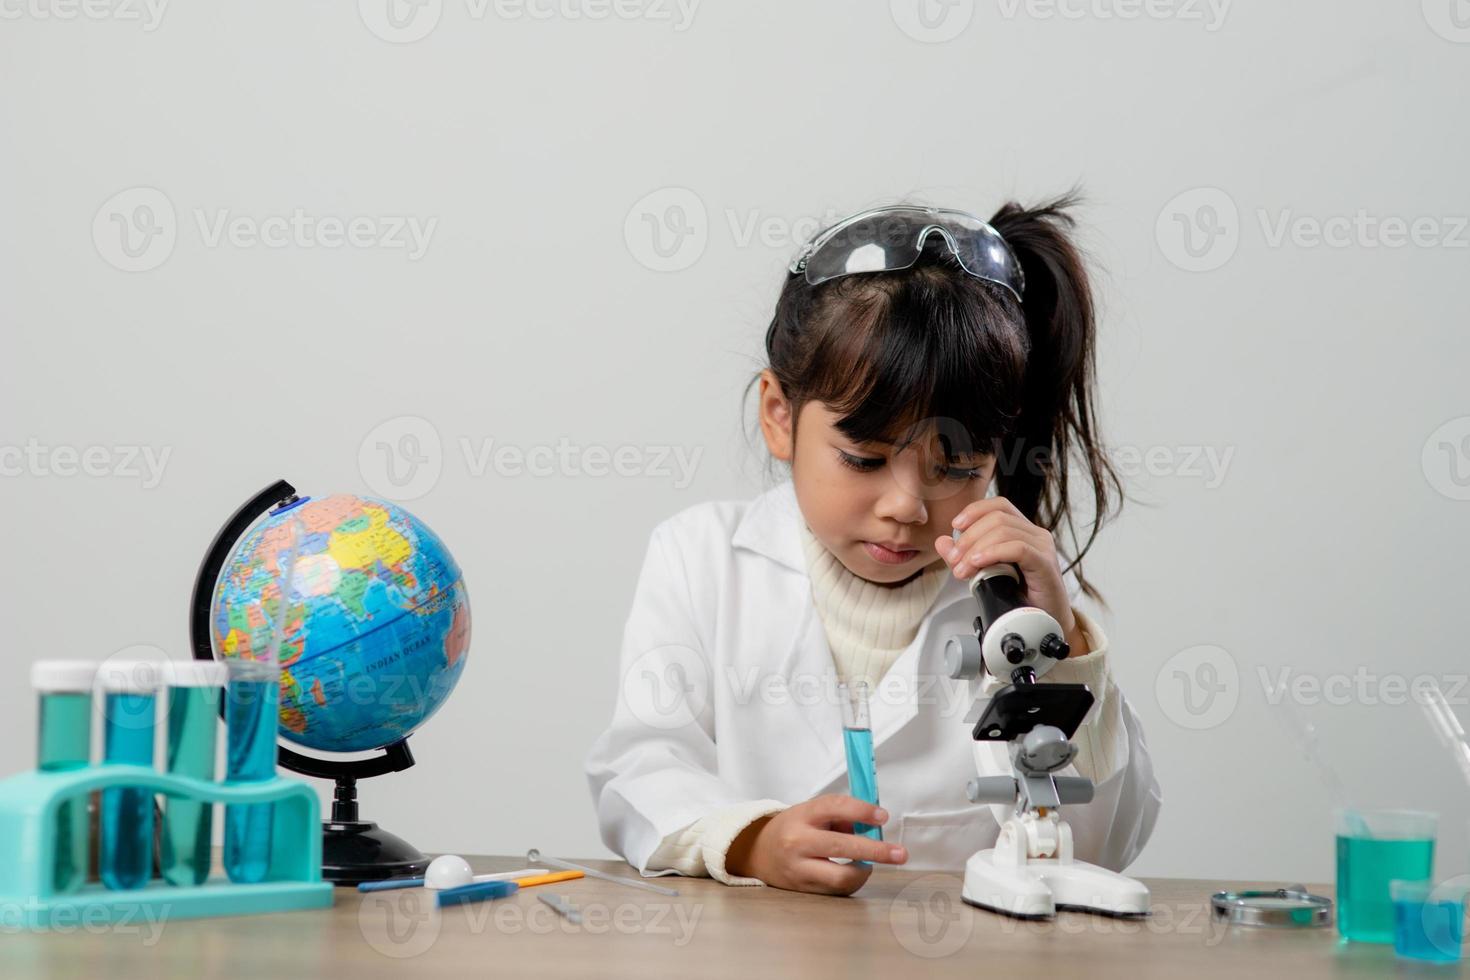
(887, 556)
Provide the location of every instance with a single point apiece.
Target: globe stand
(353, 850)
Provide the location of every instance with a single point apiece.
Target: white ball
(448, 871)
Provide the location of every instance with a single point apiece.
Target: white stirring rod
(508, 875)
(536, 857)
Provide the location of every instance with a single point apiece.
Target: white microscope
(1030, 873)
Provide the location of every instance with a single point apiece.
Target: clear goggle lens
(889, 239)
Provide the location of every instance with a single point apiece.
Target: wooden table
(902, 924)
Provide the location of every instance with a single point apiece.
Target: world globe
(369, 612)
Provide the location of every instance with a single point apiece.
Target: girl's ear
(777, 423)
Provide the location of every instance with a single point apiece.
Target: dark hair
(893, 351)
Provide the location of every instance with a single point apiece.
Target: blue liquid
(1365, 866)
(862, 775)
(127, 812)
(64, 742)
(251, 718)
(1429, 931)
(187, 824)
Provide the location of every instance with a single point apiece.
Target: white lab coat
(726, 696)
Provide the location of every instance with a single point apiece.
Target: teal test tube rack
(30, 801)
(28, 813)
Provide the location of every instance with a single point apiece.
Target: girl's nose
(898, 504)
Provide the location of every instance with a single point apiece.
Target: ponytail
(1057, 419)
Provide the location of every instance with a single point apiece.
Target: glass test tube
(64, 739)
(857, 739)
(129, 710)
(251, 719)
(194, 688)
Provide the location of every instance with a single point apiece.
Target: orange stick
(547, 879)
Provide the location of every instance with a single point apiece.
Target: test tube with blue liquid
(129, 690)
(857, 740)
(251, 719)
(194, 688)
(64, 691)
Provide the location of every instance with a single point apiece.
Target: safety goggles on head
(891, 238)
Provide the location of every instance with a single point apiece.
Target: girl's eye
(958, 474)
(863, 464)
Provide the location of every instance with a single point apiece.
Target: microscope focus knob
(962, 657)
(1014, 647)
(1055, 647)
(991, 789)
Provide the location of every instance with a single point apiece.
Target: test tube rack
(29, 802)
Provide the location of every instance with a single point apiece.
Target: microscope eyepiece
(1055, 647)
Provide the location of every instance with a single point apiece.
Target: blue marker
(857, 739)
(478, 892)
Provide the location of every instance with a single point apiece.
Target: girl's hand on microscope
(993, 530)
(790, 849)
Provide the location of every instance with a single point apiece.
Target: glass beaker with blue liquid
(857, 741)
(1373, 848)
(129, 689)
(252, 716)
(64, 742)
(1428, 919)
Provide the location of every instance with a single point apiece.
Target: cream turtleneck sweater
(867, 627)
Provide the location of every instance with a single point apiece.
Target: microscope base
(1044, 885)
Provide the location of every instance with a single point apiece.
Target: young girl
(929, 372)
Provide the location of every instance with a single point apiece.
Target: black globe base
(359, 850)
(354, 851)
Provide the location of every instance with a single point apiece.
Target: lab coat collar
(769, 527)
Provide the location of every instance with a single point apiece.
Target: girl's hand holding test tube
(791, 849)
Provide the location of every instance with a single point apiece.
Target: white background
(545, 148)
